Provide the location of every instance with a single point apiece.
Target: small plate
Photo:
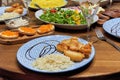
(2, 10)
(65, 26)
(112, 27)
(31, 50)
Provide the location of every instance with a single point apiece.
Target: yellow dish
(48, 3)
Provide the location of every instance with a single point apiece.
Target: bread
(27, 30)
(9, 34)
(45, 28)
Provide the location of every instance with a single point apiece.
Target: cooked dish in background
(13, 11)
(48, 3)
(63, 16)
(67, 18)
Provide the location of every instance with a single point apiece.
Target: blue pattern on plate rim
(41, 46)
(2, 10)
(112, 27)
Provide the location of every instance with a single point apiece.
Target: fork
(102, 37)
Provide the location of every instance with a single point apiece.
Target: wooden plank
(24, 38)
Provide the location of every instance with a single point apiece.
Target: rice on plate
(53, 62)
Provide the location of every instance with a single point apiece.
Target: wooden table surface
(105, 63)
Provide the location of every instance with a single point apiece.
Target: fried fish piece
(86, 49)
(74, 44)
(61, 47)
(74, 56)
(74, 49)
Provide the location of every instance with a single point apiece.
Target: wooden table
(0, 2)
(105, 63)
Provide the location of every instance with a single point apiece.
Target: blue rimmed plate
(31, 50)
(2, 10)
(112, 27)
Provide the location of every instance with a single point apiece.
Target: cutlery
(102, 37)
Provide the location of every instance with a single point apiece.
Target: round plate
(32, 49)
(38, 8)
(112, 27)
(2, 10)
(65, 26)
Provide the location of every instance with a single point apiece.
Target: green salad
(63, 16)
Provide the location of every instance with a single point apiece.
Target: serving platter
(112, 27)
(31, 50)
(2, 10)
(23, 38)
(65, 26)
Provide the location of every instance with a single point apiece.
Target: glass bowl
(17, 22)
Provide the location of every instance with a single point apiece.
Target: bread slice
(27, 30)
(45, 28)
(9, 34)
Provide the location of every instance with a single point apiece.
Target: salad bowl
(39, 13)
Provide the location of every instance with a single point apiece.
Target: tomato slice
(53, 10)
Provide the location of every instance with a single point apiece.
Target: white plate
(2, 10)
(65, 26)
(112, 27)
(32, 49)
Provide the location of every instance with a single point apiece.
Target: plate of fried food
(66, 18)
(55, 54)
(45, 4)
(13, 11)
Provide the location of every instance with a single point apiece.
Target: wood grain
(105, 65)
(23, 38)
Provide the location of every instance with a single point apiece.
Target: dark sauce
(49, 48)
(116, 29)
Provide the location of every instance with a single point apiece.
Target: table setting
(69, 40)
